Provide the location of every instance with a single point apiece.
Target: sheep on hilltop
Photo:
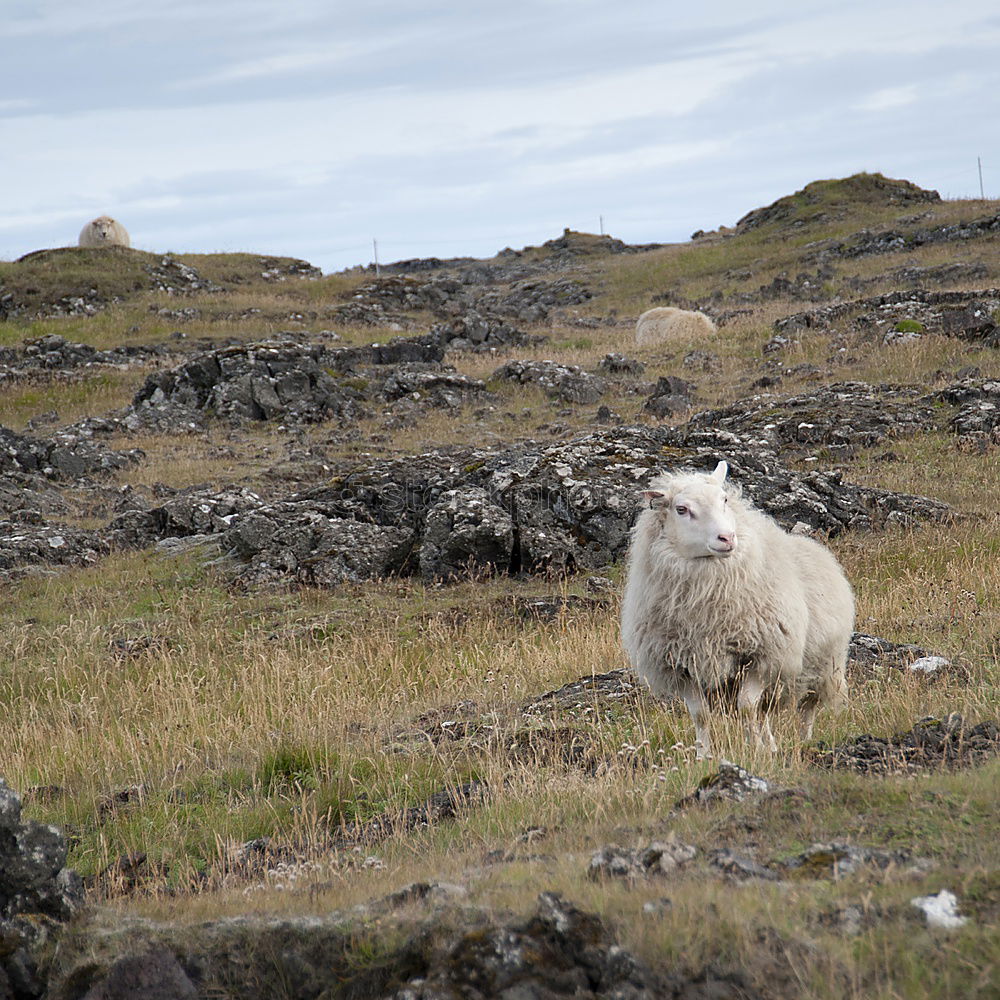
(104, 232)
(722, 604)
(665, 324)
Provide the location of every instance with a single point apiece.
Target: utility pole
(375, 249)
(979, 160)
(601, 217)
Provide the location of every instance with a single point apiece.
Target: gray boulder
(465, 533)
(282, 543)
(838, 418)
(36, 893)
(566, 382)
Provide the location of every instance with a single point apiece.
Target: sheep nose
(727, 538)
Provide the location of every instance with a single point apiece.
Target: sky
(311, 128)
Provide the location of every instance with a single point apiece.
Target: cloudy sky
(458, 127)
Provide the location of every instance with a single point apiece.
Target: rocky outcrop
(293, 543)
(530, 508)
(298, 383)
(37, 893)
(32, 547)
(838, 418)
(64, 456)
(933, 743)
(977, 422)
(423, 942)
(969, 315)
(54, 353)
(566, 382)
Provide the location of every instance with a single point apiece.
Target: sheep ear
(721, 471)
(655, 497)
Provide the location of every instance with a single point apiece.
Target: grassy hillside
(164, 718)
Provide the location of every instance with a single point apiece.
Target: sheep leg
(748, 702)
(808, 709)
(698, 709)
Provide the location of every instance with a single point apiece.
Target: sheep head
(693, 514)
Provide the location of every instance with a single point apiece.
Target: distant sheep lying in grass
(665, 324)
(722, 604)
(104, 232)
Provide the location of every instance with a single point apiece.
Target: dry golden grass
(292, 714)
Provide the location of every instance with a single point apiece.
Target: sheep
(666, 324)
(104, 232)
(720, 604)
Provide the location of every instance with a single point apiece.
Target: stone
(838, 859)
(571, 504)
(465, 533)
(739, 868)
(670, 397)
(932, 743)
(730, 782)
(153, 975)
(275, 544)
(838, 418)
(36, 894)
(940, 910)
(658, 858)
(566, 382)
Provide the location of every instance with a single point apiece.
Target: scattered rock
(739, 867)
(940, 910)
(566, 382)
(64, 456)
(838, 418)
(837, 859)
(964, 314)
(619, 364)
(33, 548)
(659, 858)
(852, 918)
(590, 694)
(730, 782)
(670, 397)
(948, 742)
(37, 893)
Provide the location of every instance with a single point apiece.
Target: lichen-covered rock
(558, 951)
(282, 543)
(188, 513)
(730, 782)
(64, 456)
(36, 892)
(429, 943)
(964, 314)
(661, 857)
(431, 383)
(283, 380)
(571, 505)
(465, 533)
(34, 547)
(947, 742)
(670, 396)
(566, 382)
(838, 418)
(977, 422)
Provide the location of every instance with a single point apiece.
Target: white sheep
(665, 324)
(104, 232)
(721, 604)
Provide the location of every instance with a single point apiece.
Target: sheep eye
(681, 509)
